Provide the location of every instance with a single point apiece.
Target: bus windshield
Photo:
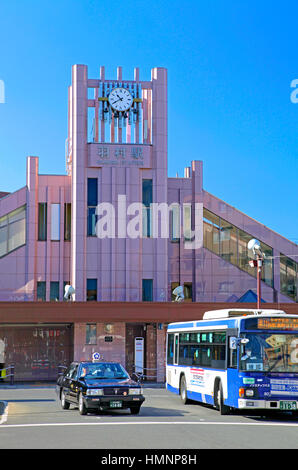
(269, 352)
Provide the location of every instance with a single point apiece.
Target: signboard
(139, 355)
(120, 155)
(278, 323)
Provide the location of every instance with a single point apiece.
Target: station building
(124, 235)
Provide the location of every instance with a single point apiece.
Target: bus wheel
(183, 390)
(223, 409)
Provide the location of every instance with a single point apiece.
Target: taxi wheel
(82, 407)
(65, 404)
(135, 410)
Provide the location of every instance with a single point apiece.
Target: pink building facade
(93, 228)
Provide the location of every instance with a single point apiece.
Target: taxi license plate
(115, 404)
(287, 405)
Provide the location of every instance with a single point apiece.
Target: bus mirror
(244, 340)
(235, 341)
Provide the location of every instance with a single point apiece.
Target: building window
(67, 221)
(187, 222)
(175, 222)
(230, 243)
(91, 289)
(92, 200)
(188, 292)
(91, 333)
(65, 283)
(41, 291)
(288, 277)
(42, 221)
(147, 285)
(147, 199)
(55, 222)
(54, 290)
(12, 230)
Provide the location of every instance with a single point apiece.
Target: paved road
(32, 418)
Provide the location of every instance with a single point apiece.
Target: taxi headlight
(135, 391)
(94, 391)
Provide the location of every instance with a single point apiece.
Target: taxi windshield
(269, 352)
(103, 371)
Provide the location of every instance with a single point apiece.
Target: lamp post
(255, 246)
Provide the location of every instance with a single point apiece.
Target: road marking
(3, 416)
(152, 423)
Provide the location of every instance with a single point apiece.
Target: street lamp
(255, 246)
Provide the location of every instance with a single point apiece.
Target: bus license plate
(287, 405)
(115, 404)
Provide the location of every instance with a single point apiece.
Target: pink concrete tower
(117, 154)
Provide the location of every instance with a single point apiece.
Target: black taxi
(99, 386)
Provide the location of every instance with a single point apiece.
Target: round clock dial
(120, 99)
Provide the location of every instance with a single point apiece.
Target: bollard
(11, 374)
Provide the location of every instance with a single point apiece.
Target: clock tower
(117, 155)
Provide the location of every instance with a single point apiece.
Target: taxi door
(73, 385)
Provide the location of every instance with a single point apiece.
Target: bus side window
(232, 361)
(170, 352)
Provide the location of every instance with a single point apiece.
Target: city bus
(235, 359)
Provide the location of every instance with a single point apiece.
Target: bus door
(176, 349)
(232, 367)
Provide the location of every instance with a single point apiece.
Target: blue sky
(230, 66)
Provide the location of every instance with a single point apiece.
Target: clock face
(120, 99)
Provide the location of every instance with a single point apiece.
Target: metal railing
(7, 372)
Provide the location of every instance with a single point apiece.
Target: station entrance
(36, 350)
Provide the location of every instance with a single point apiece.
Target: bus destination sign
(278, 323)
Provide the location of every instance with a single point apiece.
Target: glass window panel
(91, 289)
(173, 287)
(3, 240)
(147, 197)
(16, 234)
(55, 222)
(67, 221)
(228, 242)
(224, 239)
(147, 285)
(54, 290)
(41, 290)
(243, 257)
(175, 222)
(187, 221)
(3, 221)
(18, 214)
(147, 222)
(288, 277)
(91, 222)
(211, 231)
(91, 333)
(92, 196)
(42, 221)
(188, 292)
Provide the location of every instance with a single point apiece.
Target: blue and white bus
(233, 358)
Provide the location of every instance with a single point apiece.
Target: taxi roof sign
(95, 356)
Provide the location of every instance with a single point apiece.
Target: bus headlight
(249, 392)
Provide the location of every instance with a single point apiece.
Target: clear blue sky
(230, 65)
